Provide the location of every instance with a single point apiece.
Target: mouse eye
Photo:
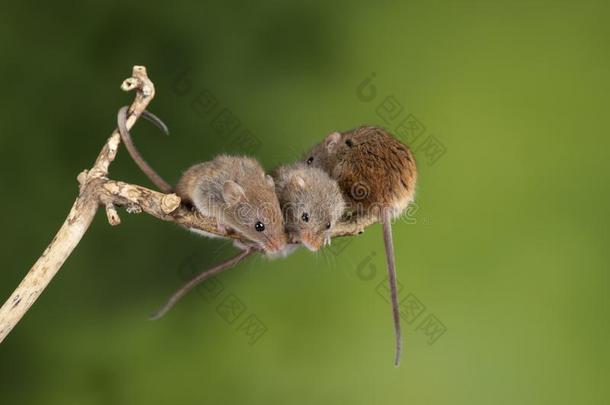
(305, 217)
(349, 143)
(310, 160)
(328, 225)
(259, 226)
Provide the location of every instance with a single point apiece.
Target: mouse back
(373, 168)
(236, 191)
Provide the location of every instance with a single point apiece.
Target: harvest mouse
(240, 196)
(234, 190)
(311, 203)
(377, 175)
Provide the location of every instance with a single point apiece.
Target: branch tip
(170, 202)
(82, 177)
(129, 84)
(112, 214)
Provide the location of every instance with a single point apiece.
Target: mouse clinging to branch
(234, 190)
(377, 175)
(311, 203)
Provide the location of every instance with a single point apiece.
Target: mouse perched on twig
(311, 203)
(377, 174)
(234, 190)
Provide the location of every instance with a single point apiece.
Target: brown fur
(251, 198)
(377, 171)
(377, 176)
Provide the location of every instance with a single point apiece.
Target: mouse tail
(389, 254)
(154, 177)
(198, 279)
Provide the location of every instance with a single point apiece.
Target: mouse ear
(298, 181)
(332, 140)
(269, 180)
(232, 193)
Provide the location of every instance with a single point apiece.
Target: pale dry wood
(79, 218)
(96, 190)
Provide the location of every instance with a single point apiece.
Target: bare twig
(80, 215)
(96, 189)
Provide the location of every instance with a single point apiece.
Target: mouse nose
(311, 242)
(275, 246)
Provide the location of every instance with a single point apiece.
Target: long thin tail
(156, 179)
(389, 254)
(201, 277)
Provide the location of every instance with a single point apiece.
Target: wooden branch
(96, 190)
(79, 218)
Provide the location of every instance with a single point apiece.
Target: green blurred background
(507, 250)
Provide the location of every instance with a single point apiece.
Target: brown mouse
(377, 175)
(311, 203)
(234, 190)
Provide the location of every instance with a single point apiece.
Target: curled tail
(156, 179)
(389, 254)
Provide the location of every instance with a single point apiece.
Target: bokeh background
(505, 255)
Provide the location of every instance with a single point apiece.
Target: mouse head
(311, 203)
(253, 210)
(373, 168)
(324, 154)
(342, 147)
